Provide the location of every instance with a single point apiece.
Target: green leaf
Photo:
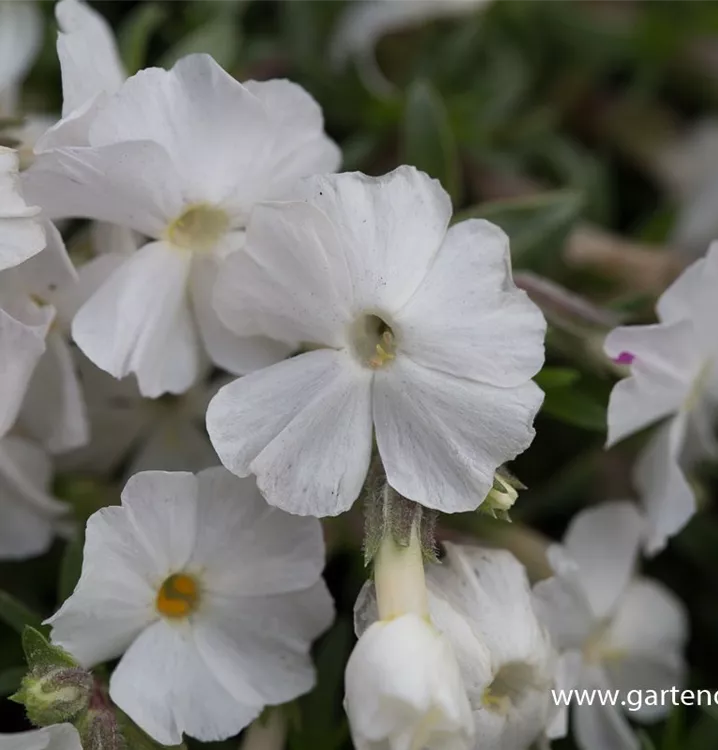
(219, 37)
(135, 33)
(537, 225)
(556, 377)
(576, 408)
(70, 567)
(645, 740)
(39, 652)
(18, 615)
(427, 140)
(10, 680)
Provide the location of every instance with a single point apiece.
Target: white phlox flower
(23, 326)
(363, 24)
(480, 600)
(21, 27)
(30, 516)
(138, 433)
(403, 685)
(179, 156)
(210, 597)
(622, 631)
(54, 737)
(53, 411)
(673, 377)
(415, 333)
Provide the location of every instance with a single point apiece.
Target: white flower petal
(666, 360)
(21, 30)
(604, 542)
(173, 443)
(601, 727)
(470, 576)
(389, 229)
(216, 161)
(54, 410)
(139, 321)
(159, 680)
(648, 634)
(114, 600)
(235, 354)
(54, 737)
(249, 548)
(258, 647)
(667, 497)
(442, 438)
(131, 184)
(88, 55)
(291, 282)
(563, 608)
(300, 146)
(46, 272)
(22, 342)
(29, 514)
(21, 235)
(404, 689)
(302, 426)
(467, 318)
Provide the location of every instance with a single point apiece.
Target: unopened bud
(54, 695)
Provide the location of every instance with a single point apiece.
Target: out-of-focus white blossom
(55, 737)
(688, 167)
(210, 597)
(365, 22)
(141, 434)
(622, 631)
(415, 331)
(20, 39)
(180, 156)
(673, 377)
(29, 515)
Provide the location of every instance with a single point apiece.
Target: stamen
(373, 341)
(178, 596)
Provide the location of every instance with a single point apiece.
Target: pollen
(178, 596)
(198, 228)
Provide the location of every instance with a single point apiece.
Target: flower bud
(54, 695)
(404, 689)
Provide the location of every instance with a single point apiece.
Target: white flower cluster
(367, 330)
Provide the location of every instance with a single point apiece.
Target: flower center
(509, 687)
(199, 228)
(178, 596)
(373, 341)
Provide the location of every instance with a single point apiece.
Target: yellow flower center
(198, 228)
(373, 341)
(178, 596)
